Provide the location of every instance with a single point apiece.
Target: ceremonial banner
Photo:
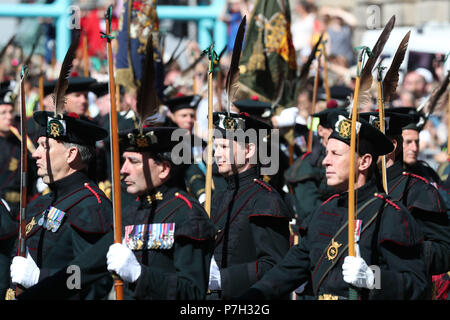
(268, 55)
(138, 19)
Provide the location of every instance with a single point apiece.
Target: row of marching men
(172, 248)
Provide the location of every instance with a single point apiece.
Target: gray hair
(86, 152)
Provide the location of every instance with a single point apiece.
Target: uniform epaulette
(86, 185)
(330, 198)
(262, 184)
(415, 176)
(387, 201)
(180, 196)
(306, 154)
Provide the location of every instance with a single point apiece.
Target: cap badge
(344, 127)
(56, 128)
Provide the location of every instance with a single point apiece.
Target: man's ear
(164, 169)
(250, 149)
(365, 161)
(72, 154)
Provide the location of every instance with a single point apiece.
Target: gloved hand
(214, 276)
(24, 271)
(356, 271)
(202, 198)
(122, 261)
(286, 117)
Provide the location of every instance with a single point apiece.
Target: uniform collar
(395, 170)
(68, 184)
(155, 195)
(239, 180)
(361, 194)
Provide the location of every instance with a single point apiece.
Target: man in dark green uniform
(8, 235)
(65, 223)
(168, 237)
(307, 175)
(387, 237)
(10, 158)
(103, 156)
(411, 135)
(418, 195)
(262, 111)
(183, 115)
(76, 100)
(251, 218)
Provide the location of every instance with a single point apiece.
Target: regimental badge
(375, 121)
(153, 197)
(344, 127)
(13, 164)
(376, 124)
(10, 294)
(229, 123)
(141, 141)
(55, 128)
(30, 226)
(332, 250)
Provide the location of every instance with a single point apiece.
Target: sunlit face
(77, 102)
(6, 118)
(410, 146)
(141, 173)
(337, 164)
(185, 118)
(229, 156)
(51, 160)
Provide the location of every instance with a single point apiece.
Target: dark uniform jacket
(8, 234)
(390, 240)
(252, 224)
(422, 169)
(86, 218)
(10, 163)
(429, 209)
(309, 184)
(178, 267)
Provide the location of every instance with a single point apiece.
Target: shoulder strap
(324, 266)
(77, 196)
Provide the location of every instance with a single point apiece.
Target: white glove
(202, 198)
(287, 117)
(122, 261)
(300, 289)
(356, 271)
(24, 271)
(214, 276)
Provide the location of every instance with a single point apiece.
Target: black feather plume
(390, 81)
(231, 84)
(66, 68)
(147, 98)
